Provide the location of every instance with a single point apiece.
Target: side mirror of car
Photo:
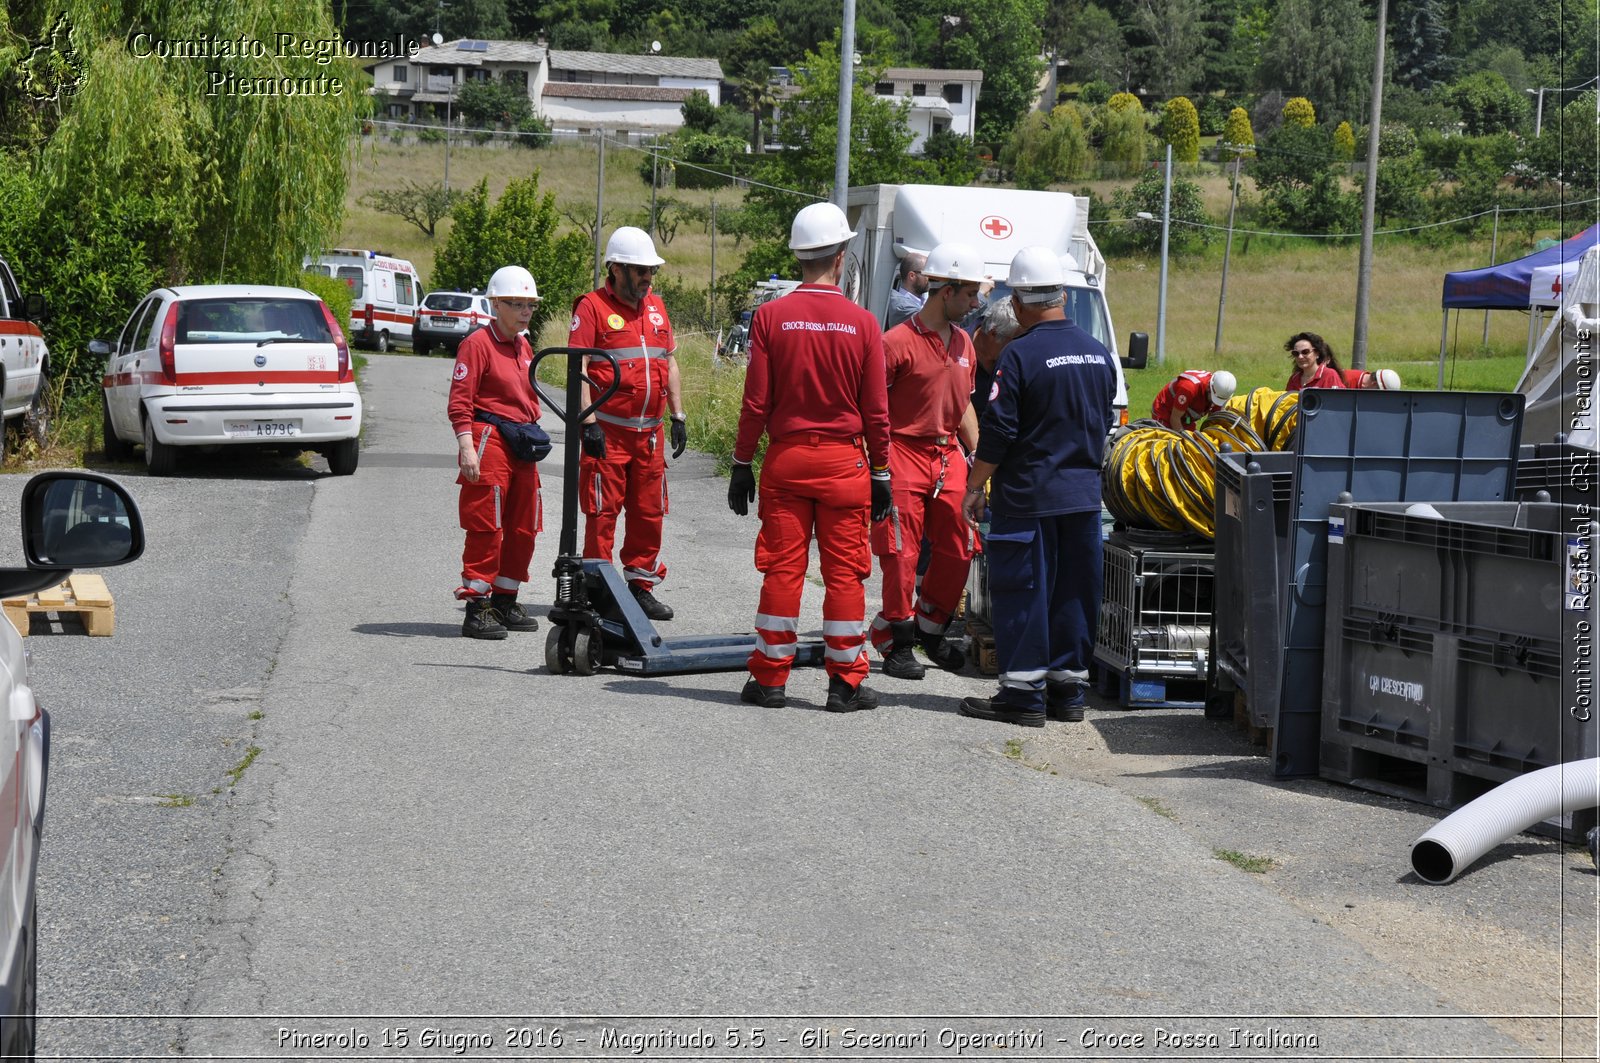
(100, 348)
(34, 308)
(72, 520)
(1138, 355)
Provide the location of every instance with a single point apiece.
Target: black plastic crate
(1254, 491)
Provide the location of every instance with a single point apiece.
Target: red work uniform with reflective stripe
(930, 389)
(815, 386)
(632, 475)
(1190, 393)
(501, 513)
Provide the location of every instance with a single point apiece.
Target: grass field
(1276, 286)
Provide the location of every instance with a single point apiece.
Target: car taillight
(169, 338)
(366, 315)
(338, 341)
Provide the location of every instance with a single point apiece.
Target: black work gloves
(594, 441)
(679, 435)
(741, 489)
(882, 498)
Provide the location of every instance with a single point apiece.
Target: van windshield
(1087, 309)
(251, 321)
(355, 278)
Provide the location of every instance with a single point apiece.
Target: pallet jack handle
(577, 358)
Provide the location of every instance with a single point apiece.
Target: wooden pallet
(85, 595)
(1259, 736)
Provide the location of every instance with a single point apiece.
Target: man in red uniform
(815, 387)
(1195, 393)
(499, 505)
(929, 364)
(624, 464)
(1372, 380)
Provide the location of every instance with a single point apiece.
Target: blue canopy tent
(1505, 286)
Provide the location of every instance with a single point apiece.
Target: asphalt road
(438, 836)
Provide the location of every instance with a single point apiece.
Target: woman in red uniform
(1314, 363)
(500, 510)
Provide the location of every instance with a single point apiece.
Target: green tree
(1566, 150)
(1344, 142)
(423, 205)
(1237, 133)
(1181, 126)
(699, 113)
(1002, 38)
(520, 228)
(1187, 232)
(1124, 140)
(1300, 112)
(1401, 182)
(950, 159)
(1322, 49)
(493, 104)
(1420, 37)
(1045, 149)
(1488, 104)
(1096, 47)
(1174, 61)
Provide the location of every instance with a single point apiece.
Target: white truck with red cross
(891, 221)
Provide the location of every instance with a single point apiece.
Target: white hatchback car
(228, 365)
(69, 519)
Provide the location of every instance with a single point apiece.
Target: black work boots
(512, 616)
(901, 661)
(842, 697)
(482, 621)
(1064, 700)
(653, 607)
(941, 650)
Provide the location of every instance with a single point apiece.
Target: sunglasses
(1304, 350)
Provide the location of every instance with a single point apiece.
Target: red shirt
(491, 374)
(1190, 392)
(816, 365)
(1327, 377)
(641, 338)
(930, 385)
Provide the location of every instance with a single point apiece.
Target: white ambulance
(384, 293)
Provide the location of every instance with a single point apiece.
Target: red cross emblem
(995, 227)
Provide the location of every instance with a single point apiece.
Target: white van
(24, 361)
(384, 293)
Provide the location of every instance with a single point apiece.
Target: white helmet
(632, 246)
(512, 282)
(1386, 380)
(1036, 275)
(1223, 385)
(818, 230)
(954, 262)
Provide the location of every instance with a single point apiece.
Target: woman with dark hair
(1314, 363)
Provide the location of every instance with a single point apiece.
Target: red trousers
(813, 488)
(632, 476)
(501, 514)
(916, 466)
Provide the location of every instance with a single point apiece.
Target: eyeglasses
(517, 304)
(1305, 350)
(648, 271)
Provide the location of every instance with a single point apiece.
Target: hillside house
(940, 100)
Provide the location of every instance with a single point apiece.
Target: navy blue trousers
(1044, 586)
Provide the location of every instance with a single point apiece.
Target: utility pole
(1227, 251)
(847, 84)
(655, 174)
(1358, 348)
(1166, 229)
(711, 292)
(1494, 251)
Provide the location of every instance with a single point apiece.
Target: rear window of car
(448, 301)
(251, 321)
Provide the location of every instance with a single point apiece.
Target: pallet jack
(594, 620)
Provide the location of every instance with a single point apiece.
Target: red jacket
(1190, 392)
(641, 338)
(816, 365)
(930, 385)
(491, 374)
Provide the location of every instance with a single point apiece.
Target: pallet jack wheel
(557, 657)
(586, 647)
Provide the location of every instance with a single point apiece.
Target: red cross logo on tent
(995, 227)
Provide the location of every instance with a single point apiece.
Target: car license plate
(262, 429)
(446, 322)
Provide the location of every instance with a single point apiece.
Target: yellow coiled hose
(1155, 477)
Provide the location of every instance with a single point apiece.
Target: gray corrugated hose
(1510, 808)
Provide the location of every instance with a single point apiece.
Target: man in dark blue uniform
(1041, 440)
